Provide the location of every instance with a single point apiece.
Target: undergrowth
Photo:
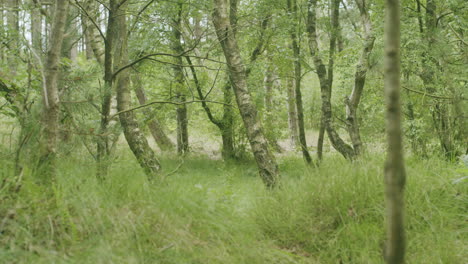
(211, 212)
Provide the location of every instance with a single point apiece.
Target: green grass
(212, 212)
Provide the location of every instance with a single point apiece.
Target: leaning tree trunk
(153, 123)
(394, 166)
(324, 78)
(265, 160)
(135, 138)
(362, 67)
(292, 8)
(51, 95)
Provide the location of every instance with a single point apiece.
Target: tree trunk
(36, 30)
(292, 114)
(135, 138)
(153, 124)
(103, 140)
(92, 37)
(227, 129)
(13, 29)
(362, 67)
(51, 109)
(324, 78)
(394, 166)
(268, 83)
(292, 8)
(182, 117)
(265, 160)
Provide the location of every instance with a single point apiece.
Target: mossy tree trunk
(135, 138)
(265, 160)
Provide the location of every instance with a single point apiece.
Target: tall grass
(212, 212)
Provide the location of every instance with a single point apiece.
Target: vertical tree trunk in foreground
(265, 160)
(51, 95)
(135, 138)
(394, 166)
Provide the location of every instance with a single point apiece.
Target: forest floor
(209, 211)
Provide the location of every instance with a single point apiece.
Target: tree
(265, 160)
(352, 102)
(394, 166)
(179, 80)
(135, 138)
(292, 9)
(326, 76)
(51, 110)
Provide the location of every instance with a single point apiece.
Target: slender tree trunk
(103, 141)
(324, 78)
(292, 8)
(292, 114)
(362, 67)
(51, 109)
(13, 29)
(182, 117)
(265, 160)
(153, 124)
(321, 138)
(2, 22)
(36, 32)
(268, 83)
(227, 130)
(92, 37)
(135, 138)
(394, 166)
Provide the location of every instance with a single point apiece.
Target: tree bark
(13, 30)
(352, 103)
(135, 138)
(394, 166)
(51, 109)
(324, 78)
(92, 37)
(292, 114)
(182, 117)
(292, 8)
(268, 84)
(103, 141)
(36, 30)
(266, 162)
(153, 123)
